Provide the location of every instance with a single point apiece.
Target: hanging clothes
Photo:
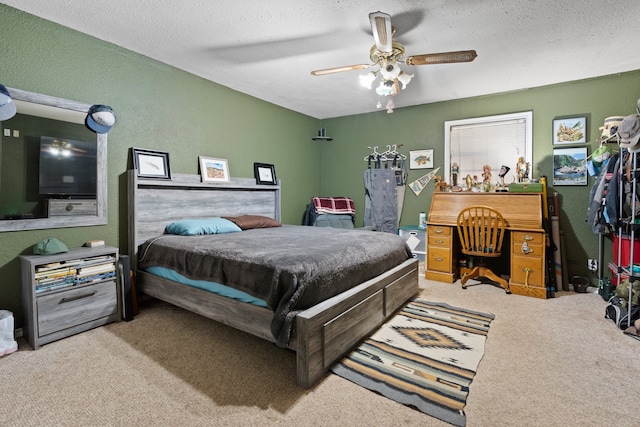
(398, 166)
(384, 182)
(381, 200)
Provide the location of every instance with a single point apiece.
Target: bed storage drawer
(359, 320)
(397, 293)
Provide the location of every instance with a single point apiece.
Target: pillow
(195, 227)
(247, 222)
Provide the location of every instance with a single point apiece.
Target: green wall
(163, 108)
(158, 107)
(422, 127)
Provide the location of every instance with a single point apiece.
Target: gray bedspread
(291, 268)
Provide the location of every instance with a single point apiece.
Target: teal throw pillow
(197, 227)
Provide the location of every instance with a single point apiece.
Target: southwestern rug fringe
(425, 356)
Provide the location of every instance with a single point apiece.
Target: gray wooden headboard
(154, 203)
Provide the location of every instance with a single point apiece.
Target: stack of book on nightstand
(54, 276)
(96, 269)
(80, 271)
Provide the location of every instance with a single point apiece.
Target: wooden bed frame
(322, 334)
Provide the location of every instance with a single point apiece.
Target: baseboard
(18, 333)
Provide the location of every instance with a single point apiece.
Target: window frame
(527, 116)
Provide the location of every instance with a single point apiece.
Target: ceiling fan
(387, 54)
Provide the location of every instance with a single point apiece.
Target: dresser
(523, 213)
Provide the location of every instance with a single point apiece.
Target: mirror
(26, 205)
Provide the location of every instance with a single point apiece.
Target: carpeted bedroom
(172, 367)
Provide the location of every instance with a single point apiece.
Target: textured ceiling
(268, 48)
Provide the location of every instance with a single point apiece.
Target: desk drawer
(439, 259)
(439, 230)
(530, 250)
(531, 285)
(438, 240)
(529, 244)
(529, 237)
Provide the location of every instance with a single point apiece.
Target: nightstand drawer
(73, 307)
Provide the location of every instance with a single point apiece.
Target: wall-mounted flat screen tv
(68, 168)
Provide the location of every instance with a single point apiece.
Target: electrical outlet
(592, 264)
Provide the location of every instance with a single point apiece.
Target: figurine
(475, 187)
(522, 170)
(504, 169)
(454, 174)
(440, 184)
(486, 173)
(469, 181)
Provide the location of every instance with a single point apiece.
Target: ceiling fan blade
(382, 32)
(341, 69)
(442, 58)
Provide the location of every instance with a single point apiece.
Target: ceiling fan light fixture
(367, 79)
(387, 88)
(389, 69)
(386, 55)
(404, 78)
(392, 78)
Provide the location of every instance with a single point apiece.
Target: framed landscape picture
(569, 166)
(214, 170)
(571, 130)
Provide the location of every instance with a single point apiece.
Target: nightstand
(68, 293)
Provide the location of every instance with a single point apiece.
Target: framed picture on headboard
(151, 164)
(214, 170)
(265, 173)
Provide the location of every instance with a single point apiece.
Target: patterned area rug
(426, 357)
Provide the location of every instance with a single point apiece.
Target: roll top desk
(523, 213)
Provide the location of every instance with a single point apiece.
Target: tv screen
(67, 167)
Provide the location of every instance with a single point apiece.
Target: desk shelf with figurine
(527, 245)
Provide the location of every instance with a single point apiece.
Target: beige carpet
(554, 362)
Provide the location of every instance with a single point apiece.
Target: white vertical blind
(493, 141)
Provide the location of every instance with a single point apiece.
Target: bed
(321, 333)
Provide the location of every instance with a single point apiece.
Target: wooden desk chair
(481, 230)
